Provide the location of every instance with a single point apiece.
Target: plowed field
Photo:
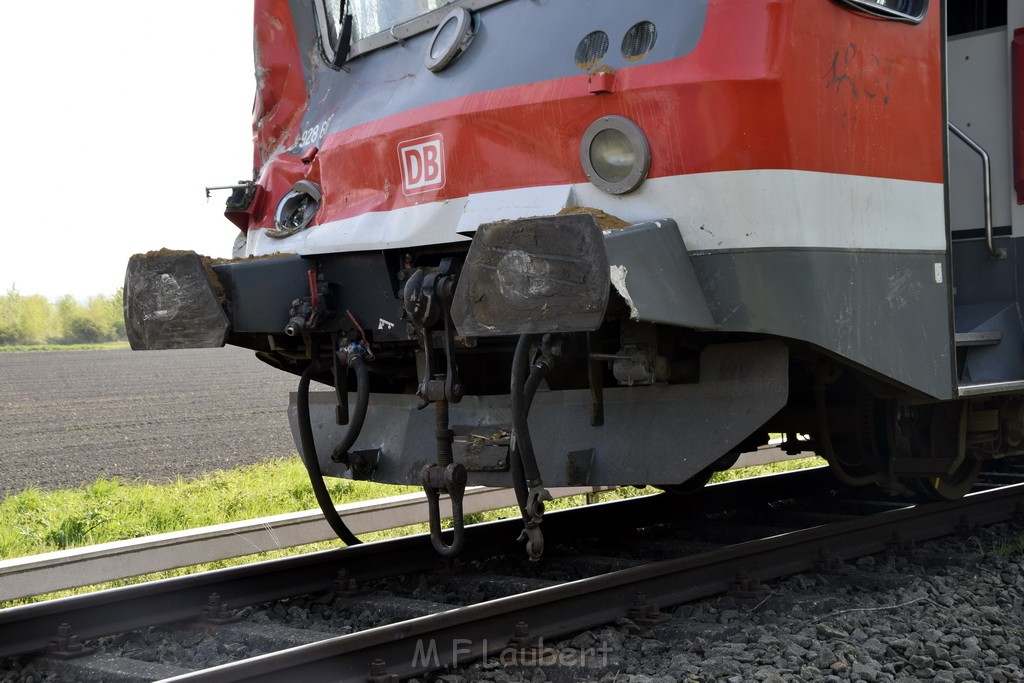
(68, 417)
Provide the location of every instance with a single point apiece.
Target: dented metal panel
(172, 300)
(651, 270)
(544, 274)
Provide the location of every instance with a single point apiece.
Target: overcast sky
(115, 114)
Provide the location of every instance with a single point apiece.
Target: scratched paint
(902, 289)
(521, 276)
(618, 276)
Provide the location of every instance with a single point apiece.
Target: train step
(988, 338)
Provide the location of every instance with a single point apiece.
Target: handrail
(986, 166)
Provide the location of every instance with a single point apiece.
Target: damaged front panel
(544, 274)
(651, 270)
(172, 300)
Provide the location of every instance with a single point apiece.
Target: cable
(523, 394)
(519, 484)
(355, 424)
(521, 409)
(312, 463)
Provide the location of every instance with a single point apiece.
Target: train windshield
(374, 16)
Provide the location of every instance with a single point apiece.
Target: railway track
(387, 610)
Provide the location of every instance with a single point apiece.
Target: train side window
(911, 11)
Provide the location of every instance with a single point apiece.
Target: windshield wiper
(345, 39)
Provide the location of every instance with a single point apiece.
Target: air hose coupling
(356, 356)
(534, 538)
(354, 352)
(535, 500)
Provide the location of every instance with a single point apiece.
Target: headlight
(296, 209)
(910, 11)
(615, 154)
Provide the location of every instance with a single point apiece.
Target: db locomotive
(534, 242)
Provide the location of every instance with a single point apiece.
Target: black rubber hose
(521, 409)
(523, 461)
(519, 484)
(312, 463)
(519, 480)
(355, 423)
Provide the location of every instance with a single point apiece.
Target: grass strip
(34, 521)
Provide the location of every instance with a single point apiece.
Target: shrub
(34, 320)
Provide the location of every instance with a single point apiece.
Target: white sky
(114, 116)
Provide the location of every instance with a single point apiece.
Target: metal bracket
(450, 478)
(363, 463)
(427, 300)
(577, 467)
(67, 645)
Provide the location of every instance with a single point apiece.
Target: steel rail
(37, 574)
(23, 577)
(29, 628)
(464, 634)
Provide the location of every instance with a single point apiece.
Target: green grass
(1003, 549)
(760, 470)
(103, 346)
(35, 521)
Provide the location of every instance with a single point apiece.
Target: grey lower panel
(652, 435)
(886, 311)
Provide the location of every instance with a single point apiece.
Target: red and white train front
(609, 242)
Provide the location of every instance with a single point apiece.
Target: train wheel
(941, 432)
(858, 432)
(950, 486)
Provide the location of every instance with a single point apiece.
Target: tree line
(34, 319)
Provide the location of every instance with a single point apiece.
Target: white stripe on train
(724, 211)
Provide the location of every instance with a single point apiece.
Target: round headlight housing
(615, 154)
(296, 209)
(452, 37)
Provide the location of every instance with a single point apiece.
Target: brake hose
(521, 409)
(312, 463)
(525, 472)
(355, 424)
(519, 484)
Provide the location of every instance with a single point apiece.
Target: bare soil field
(69, 417)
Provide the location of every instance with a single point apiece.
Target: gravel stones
(954, 621)
(885, 620)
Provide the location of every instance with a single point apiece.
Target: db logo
(422, 163)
